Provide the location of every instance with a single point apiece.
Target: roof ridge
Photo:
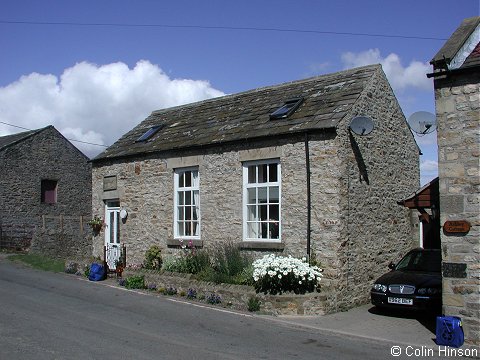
(265, 88)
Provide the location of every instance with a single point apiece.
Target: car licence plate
(401, 301)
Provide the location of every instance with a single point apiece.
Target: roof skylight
(286, 109)
(149, 133)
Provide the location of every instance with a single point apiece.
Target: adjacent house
(456, 73)
(272, 169)
(45, 193)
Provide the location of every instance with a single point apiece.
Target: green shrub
(170, 263)
(245, 277)
(153, 258)
(253, 304)
(135, 282)
(196, 261)
(191, 261)
(228, 259)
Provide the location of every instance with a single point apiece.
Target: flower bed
(233, 296)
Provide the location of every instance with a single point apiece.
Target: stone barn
(45, 194)
(275, 169)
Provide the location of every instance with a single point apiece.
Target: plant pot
(119, 271)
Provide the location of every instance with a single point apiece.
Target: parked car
(415, 282)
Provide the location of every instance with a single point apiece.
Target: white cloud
(429, 165)
(399, 76)
(428, 170)
(94, 103)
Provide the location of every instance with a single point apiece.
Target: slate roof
(246, 116)
(9, 140)
(454, 44)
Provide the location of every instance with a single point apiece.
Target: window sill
(267, 245)
(179, 242)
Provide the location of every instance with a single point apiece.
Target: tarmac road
(58, 316)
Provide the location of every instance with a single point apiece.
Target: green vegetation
(253, 304)
(153, 258)
(39, 262)
(226, 264)
(135, 282)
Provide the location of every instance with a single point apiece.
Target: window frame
(45, 186)
(268, 185)
(177, 189)
(287, 109)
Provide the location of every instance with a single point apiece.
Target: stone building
(45, 189)
(272, 169)
(457, 98)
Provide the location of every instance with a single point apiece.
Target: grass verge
(39, 262)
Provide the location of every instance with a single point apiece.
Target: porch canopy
(426, 197)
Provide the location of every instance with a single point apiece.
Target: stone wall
(45, 155)
(145, 190)
(236, 296)
(378, 170)
(458, 106)
(63, 237)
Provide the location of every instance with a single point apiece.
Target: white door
(112, 233)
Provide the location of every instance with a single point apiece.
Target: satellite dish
(361, 125)
(422, 122)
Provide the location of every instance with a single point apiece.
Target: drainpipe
(309, 198)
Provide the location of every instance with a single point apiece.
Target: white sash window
(187, 203)
(261, 199)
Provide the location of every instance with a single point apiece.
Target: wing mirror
(391, 266)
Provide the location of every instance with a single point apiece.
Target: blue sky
(95, 69)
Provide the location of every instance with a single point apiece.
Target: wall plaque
(456, 226)
(110, 183)
(454, 270)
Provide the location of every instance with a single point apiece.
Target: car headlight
(429, 291)
(380, 287)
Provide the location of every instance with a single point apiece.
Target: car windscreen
(429, 261)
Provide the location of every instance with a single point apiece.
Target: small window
(149, 133)
(286, 109)
(49, 191)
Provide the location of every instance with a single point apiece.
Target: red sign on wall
(456, 226)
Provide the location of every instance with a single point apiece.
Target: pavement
(398, 328)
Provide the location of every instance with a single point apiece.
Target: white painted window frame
(257, 185)
(195, 187)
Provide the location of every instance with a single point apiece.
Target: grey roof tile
(8, 140)
(455, 42)
(246, 115)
